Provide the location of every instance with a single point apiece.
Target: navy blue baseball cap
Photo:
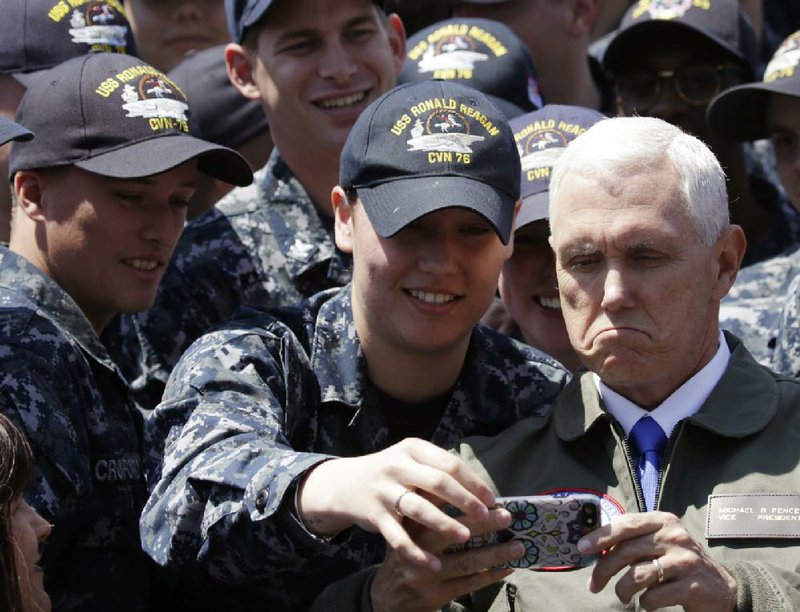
(541, 137)
(222, 115)
(116, 116)
(430, 145)
(39, 34)
(740, 113)
(721, 22)
(243, 14)
(12, 131)
(481, 53)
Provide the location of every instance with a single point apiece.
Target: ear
(239, 64)
(396, 33)
(729, 251)
(343, 220)
(29, 188)
(584, 15)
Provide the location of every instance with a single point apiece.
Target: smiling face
(166, 30)
(317, 65)
(106, 241)
(640, 293)
(783, 123)
(423, 289)
(529, 290)
(27, 530)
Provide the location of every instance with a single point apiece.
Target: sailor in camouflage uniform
(244, 484)
(752, 309)
(786, 358)
(101, 198)
(272, 243)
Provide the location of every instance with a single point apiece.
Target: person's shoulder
(24, 329)
(271, 327)
(520, 435)
(498, 350)
(764, 278)
(243, 200)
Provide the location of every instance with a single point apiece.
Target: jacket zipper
(633, 469)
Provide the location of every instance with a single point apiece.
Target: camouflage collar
(24, 282)
(336, 354)
(497, 384)
(279, 205)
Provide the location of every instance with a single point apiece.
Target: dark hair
(16, 468)
(352, 195)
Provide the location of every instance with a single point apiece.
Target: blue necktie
(649, 440)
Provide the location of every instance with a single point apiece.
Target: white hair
(613, 149)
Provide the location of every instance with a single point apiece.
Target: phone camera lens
(589, 515)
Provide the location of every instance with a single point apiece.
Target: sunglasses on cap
(696, 84)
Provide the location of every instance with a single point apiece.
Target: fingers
(622, 528)
(468, 562)
(449, 478)
(398, 587)
(666, 565)
(497, 519)
(638, 577)
(398, 540)
(628, 540)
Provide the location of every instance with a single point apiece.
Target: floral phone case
(548, 526)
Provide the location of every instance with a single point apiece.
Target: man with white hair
(697, 516)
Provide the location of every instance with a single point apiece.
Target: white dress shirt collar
(685, 401)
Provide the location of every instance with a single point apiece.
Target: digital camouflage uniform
(255, 404)
(263, 244)
(752, 308)
(62, 389)
(786, 358)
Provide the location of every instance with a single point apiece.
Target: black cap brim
(535, 207)
(157, 155)
(392, 205)
(509, 109)
(12, 131)
(626, 45)
(26, 79)
(740, 113)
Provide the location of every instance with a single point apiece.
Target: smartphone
(549, 526)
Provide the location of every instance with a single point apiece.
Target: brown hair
(16, 468)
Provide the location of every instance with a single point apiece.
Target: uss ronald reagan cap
(12, 131)
(740, 113)
(541, 137)
(722, 22)
(221, 114)
(481, 53)
(39, 34)
(243, 14)
(115, 115)
(430, 145)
